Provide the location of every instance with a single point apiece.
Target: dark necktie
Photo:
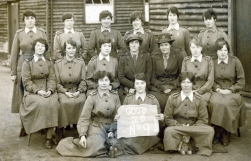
(134, 59)
(196, 62)
(105, 32)
(139, 101)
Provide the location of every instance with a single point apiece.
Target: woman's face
(137, 24)
(209, 22)
(172, 18)
(106, 22)
(106, 49)
(104, 83)
(140, 86)
(134, 45)
(195, 50)
(165, 48)
(39, 48)
(29, 21)
(186, 86)
(70, 50)
(222, 53)
(68, 23)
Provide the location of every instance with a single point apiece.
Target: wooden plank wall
(190, 14)
(3, 27)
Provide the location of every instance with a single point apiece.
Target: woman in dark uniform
(39, 109)
(71, 86)
(148, 39)
(133, 62)
(22, 50)
(166, 69)
(69, 32)
(180, 34)
(226, 104)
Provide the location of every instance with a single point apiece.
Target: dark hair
(195, 41)
(208, 14)
(101, 74)
(104, 40)
(140, 76)
(135, 15)
(28, 13)
(104, 14)
(71, 42)
(42, 41)
(67, 15)
(219, 43)
(187, 75)
(173, 10)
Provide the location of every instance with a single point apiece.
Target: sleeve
(51, 79)
(26, 78)
(121, 74)
(60, 87)
(82, 85)
(187, 40)
(202, 118)
(85, 117)
(83, 45)
(168, 113)
(57, 51)
(148, 69)
(14, 54)
(113, 126)
(154, 80)
(121, 45)
(92, 44)
(153, 45)
(89, 75)
(115, 84)
(240, 77)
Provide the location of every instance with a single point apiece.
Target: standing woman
(131, 63)
(69, 33)
(105, 30)
(202, 67)
(39, 109)
(226, 103)
(22, 50)
(180, 34)
(71, 86)
(103, 62)
(148, 39)
(166, 70)
(210, 34)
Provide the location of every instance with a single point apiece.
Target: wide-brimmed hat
(164, 38)
(130, 37)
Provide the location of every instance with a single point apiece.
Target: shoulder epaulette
(187, 58)
(41, 29)
(29, 59)
(148, 30)
(80, 58)
(164, 30)
(175, 94)
(203, 30)
(114, 92)
(114, 57)
(184, 27)
(151, 96)
(49, 59)
(93, 93)
(77, 30)
(232, 56)
(59, 60)
(19, 30)
(196, 94)
(207, 57)
(220, 29)
(59, 32)
(145, 52)
(130, 94)
(94, 57)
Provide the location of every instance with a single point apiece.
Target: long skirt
(202, 135)
(38, 112)
(227, 111)
(70, 109)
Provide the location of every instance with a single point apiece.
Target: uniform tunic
(208, 38)
(204, 74)
(118, 45)
(95, 121)
(163, 79)
(181, 36)
(149, 42)
(139, 145)
(127, 71)
(95, 65)
(227, 111)
(194, 113)
(38, 112)
(21, 50)
(60, 39)
(70, 77)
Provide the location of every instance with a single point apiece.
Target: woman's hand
(110, 135)
(82, 141)
(69, 94)
(225, 91)
(13, 78)
(76, 94)
(47, 94)
(167, 91)
(116, 117)
(41, 92)
(159, 117)
(131, 90)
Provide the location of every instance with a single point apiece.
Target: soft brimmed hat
(164, 38)
(130, 37)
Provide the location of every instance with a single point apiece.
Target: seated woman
(138, 145)
(102, 62)
(95, 124)
(225, 106)
(71, 86)
(133, 62)
(202, 67)
(186, 114)
(39, 109)
(166, 69)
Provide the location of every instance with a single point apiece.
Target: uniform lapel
(130, 62)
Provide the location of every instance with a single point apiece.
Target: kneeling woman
(95, 124)
(186, 114)
(39, 109)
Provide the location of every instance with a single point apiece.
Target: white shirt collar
(141, 30)
(36, 58)
(225, 61)
(142, 96)
(66, 31)
(102, 57)
(28, 30)
(176, 27)
(199, 58)
(103, 29)
(183, 96)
